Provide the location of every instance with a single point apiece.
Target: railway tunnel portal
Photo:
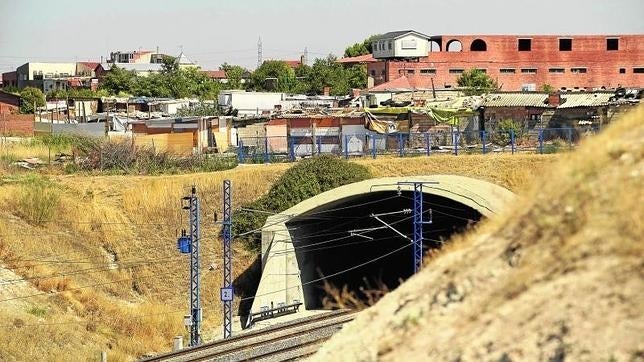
(334, 237)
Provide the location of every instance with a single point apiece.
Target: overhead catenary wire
(172, 312)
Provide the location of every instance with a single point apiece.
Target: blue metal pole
(266, 158)
(400, 145)
(512, 141)
(373, 146)
(570, 138)
(291, 148)
(483, 141)
(240, 151)
(455, 141)
(319, 139)
(346, 146)
(227, 290)
(428, 145)
(418, 226)
(195, 280)
(541, 141)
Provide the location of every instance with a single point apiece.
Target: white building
(400, 44)
(249, 103)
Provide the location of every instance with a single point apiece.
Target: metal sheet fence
(287, 149)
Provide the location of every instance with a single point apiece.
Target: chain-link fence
(287, 149)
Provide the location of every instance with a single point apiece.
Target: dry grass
(558, 276)
(133, 222)
(23, 149)
(511, 171)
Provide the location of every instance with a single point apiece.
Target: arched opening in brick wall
(478, 45)
(434, 46)
(454, 45)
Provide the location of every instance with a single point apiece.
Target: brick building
(519, 62)
(9, 103)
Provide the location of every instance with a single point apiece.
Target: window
(408, 44)
(482, 70)
(525, 45)
(565, 45)
(638, 70)
(612, 44)
(478, 45)
(389, 43)
(557, 70)
(427, 71)
(529, 71)
(456, 71)
(454, 46)
(411, 71)
(507, 70)
(578, 70)
(622, 70)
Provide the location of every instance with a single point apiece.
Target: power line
(331, 275)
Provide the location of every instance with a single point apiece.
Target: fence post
(319, 142)
(400, 145)
(240, 151)
(512, 145)
(483, 141)
(455, 141)
(266, 159)
(428, 146)
(373, 146)
(346, 146)
(291, 148)
(569, 138)
(541, 141)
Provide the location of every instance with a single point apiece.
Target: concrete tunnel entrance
(324, 246)
(312, 239)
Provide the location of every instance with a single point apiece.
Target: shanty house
(400, 44)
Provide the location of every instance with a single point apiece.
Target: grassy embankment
(118, 234)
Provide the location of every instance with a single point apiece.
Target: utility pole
(418, 221)
(227, 290)
(195, 282)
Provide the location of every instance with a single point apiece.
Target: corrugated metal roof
(516, 100)
(595, 99)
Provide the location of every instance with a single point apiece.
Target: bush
(304, 180)
(501, 136)
(123, 157)
(37, 200)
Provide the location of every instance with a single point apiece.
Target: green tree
(234, 74)
(169, 64)
(547, 88)
(361, 48)
(30, 97)
(273, 75)
(118, 80)
(476, 82)
(327, 72)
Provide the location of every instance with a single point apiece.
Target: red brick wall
(602, 66)
(17, 124)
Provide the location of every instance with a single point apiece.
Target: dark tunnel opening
(324, 246)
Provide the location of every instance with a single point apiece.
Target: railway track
(283, 342)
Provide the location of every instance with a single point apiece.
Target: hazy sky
(212, 32)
